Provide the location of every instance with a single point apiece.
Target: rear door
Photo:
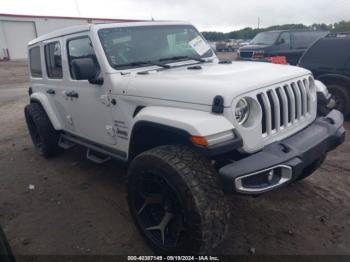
(55, 86)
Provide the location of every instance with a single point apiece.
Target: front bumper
(281, 163)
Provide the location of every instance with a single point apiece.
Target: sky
(206, 15)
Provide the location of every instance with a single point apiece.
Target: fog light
(270, 176)
(264, 180)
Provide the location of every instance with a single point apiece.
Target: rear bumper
(282, 162)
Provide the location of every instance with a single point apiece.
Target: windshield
(128, 47)
(265, 38)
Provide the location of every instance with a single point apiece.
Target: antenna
(77, 6)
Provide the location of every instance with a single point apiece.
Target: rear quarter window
(35, 62)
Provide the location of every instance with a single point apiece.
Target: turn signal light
(281, 60)
(199, 140)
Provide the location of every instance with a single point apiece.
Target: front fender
(44, 101)
(321, 88)
(195, 123)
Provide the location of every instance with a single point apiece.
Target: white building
(17, 30)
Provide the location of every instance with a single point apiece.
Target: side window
(284, 38)
(80, 48)
(302, 40)
(53, 60)
(35, 62)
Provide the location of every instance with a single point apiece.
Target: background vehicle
(225, 46)
(329, 60)
(289, 43)
(154, 95)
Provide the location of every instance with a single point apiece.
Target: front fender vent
(218, 105)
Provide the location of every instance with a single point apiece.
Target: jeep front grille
(284, 106)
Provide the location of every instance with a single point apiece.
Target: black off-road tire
(6, 254)
(341, 95)
(45, 138)
(205, 208)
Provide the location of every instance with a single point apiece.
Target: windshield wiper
(142, 63)
(183, 57)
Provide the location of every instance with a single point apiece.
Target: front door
(283, 47)
(88, 104)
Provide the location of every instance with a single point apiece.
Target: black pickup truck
(289, 43)
(329, 60)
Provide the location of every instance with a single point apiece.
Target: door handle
(72, 94)
(51, 91)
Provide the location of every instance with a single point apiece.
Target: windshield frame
(127, 66)
(277, 34)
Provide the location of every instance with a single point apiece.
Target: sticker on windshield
(199, 45)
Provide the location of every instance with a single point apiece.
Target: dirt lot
(78, 207)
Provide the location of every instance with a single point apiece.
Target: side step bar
(96, 157)
(96, 153)
(65, 143)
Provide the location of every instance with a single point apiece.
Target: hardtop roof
(88, 27)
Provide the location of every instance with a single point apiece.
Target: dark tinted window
(80, 48)
(53, 60)
(329, 52)
(285, 38)
(35, 62)
(265, 38)
(302, 40)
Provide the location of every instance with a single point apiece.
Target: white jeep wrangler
(191, 127)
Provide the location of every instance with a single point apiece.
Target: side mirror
(86, 69)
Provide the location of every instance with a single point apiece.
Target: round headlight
(242, 111)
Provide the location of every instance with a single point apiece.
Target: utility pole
(258, 22)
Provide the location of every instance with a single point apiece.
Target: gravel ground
(78, 207)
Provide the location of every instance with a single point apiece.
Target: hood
(202, 85)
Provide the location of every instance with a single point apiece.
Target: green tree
(249, 33)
